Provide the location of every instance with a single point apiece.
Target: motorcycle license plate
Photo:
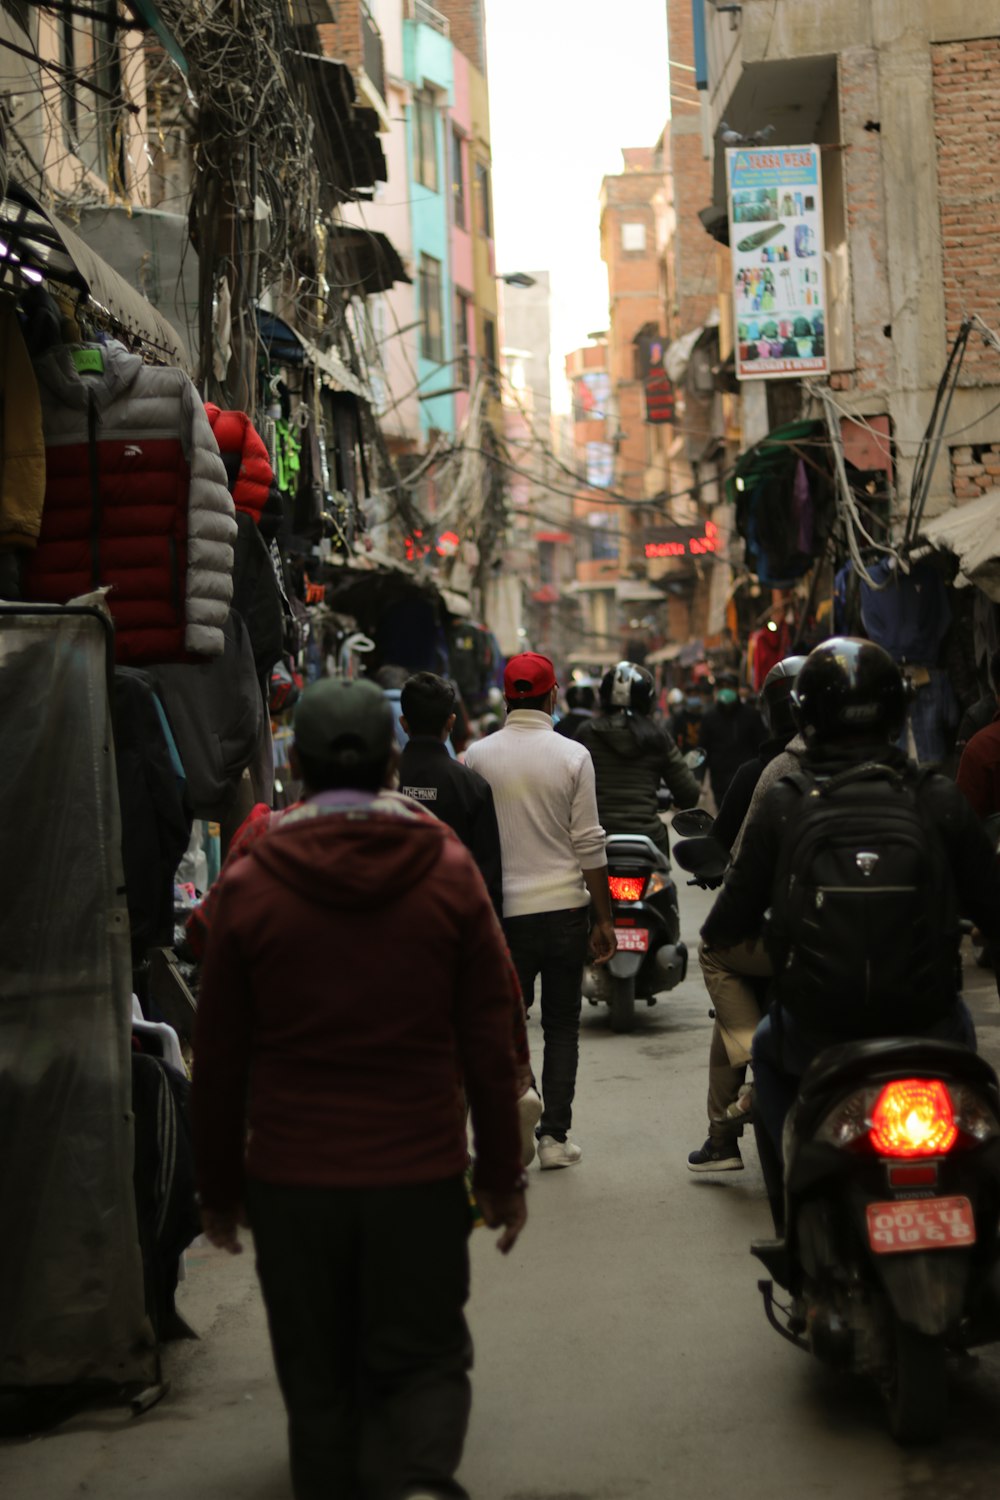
(920, 1224)
(632, 939)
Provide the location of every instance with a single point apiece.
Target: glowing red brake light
(913, 1117)
(626, 887)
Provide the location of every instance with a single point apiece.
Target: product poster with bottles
(776, 240)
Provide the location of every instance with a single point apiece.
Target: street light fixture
(518, 278)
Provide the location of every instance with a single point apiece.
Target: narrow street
(622, 1351)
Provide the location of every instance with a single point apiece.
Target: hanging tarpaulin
(71, 1282)
(776, 237)
(972, 534)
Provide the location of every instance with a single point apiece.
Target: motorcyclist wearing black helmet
(632, 755)
(861, 950)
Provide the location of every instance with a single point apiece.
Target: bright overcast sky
(571, 83)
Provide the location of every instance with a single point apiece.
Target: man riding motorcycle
(632, 755)
(854, 955)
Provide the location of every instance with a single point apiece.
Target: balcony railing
(372, 51)
(426, 15)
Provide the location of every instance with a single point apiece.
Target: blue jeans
(782, 1053)
(554, 945)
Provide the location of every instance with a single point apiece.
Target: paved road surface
(622, 1353)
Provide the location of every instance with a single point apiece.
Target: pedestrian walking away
(453, 792)
(580, 704)
(554, 865)
(353, 959)
(461, 798)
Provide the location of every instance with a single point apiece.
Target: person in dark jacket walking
(354, 962)
(776, 710)
(850, 704)
(580, 704)
(979, 768)
(632, 756)
(731, 731)
(454, 793)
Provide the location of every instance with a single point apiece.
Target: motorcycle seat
(635, 848)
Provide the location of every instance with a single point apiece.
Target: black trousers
(364, 1289)
(554, 945)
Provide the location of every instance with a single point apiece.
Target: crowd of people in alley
(370, 954)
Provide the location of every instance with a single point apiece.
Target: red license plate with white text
(920, 1224)
(632, 939)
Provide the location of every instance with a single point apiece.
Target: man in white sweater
(554, 866)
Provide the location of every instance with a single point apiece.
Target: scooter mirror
(693, 823)
(705, 858)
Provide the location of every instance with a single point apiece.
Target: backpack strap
(869, 770)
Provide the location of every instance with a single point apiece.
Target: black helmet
(776, 697)
(849, 687)
(627, 686)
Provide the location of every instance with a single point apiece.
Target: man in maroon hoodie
(354, 968)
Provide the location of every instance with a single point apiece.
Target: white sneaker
(529, 1109)
(553, 1153)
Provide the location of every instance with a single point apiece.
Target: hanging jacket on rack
(22, 454)
(135, 498)
(248, 467)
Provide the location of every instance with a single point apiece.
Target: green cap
(342, 723)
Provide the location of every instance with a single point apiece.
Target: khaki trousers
(737, 1013)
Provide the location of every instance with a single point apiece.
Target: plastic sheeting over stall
(71, 1293)
(972, 533)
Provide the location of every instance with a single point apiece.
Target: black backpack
(864, 913)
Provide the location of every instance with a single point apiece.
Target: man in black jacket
(730, 733)
(850, 704)
(580, 702)
(454, 793)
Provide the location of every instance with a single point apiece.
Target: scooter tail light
(913, 1117)
(627, 887)
(852, 1124)
(974, 1115)
(849, 1123)
(657, 883)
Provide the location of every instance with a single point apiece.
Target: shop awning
(287, 346)
(972, 534)
(638, 591)
(373, 260)
(34, 241)
(665, 653)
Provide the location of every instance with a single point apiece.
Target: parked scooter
(892, 1202)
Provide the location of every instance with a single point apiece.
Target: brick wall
(975, 470)
(967, 123)
(693, 284)
(465, 18)
(342, 39)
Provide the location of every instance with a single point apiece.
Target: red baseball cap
(528, 676)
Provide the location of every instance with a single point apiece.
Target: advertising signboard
(776, 239)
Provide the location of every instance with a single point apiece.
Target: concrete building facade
(903, 98)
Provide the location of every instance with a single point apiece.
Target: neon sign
(682, 541)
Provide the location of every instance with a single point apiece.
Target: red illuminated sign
(683, 541)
